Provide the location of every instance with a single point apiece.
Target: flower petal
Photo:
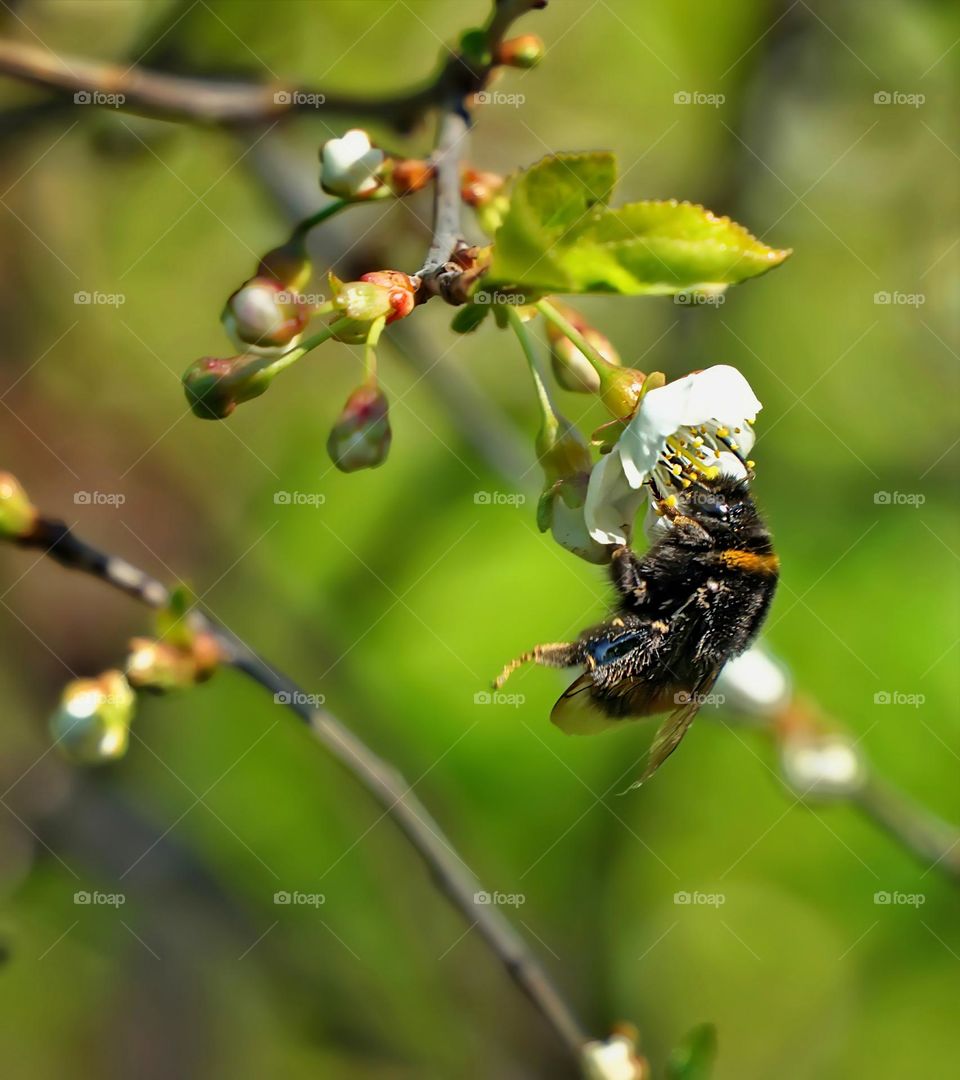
(611, 503)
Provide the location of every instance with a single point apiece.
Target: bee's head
(725, 509)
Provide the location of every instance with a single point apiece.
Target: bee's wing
(577, 711)
(581, 710)
(671, 732)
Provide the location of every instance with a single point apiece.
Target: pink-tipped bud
(265, 313)
(402, 289)
(360, 439)
(215, 385)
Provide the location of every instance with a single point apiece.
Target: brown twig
(246, 104)
(380, 779)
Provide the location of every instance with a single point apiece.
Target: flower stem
(370, 348)
(305, 346)
(547, 409)
(550, 313)
(302, 228)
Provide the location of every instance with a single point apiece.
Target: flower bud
(403, 291)
(477, 188)
(613, 1059)
(410, 175)
(92, 724)
(525, 51)
(351, 166)
(266, 313)
(484, 192)
(215, 387)
(17, 513)
(360, 439)
(621, 389)
(565, 458)
(363, 301)
(162, 666)
(822, 766)
(755, 683)
(572, 370)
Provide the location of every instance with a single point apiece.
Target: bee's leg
(558, 654)
(627, 573)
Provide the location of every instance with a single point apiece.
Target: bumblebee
(694, 600)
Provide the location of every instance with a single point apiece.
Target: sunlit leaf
(560, 236)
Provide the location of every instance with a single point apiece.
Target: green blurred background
(400, 596)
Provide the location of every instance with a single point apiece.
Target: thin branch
(245, 104)
(380, 779)
(933, 841)
(450, 150)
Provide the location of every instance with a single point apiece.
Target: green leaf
(469, 317)
(546, 202)
(559, 236)
(693, 1059)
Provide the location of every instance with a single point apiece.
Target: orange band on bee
(751, 561)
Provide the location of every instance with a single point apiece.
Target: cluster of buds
(91, 726)
(360, 438)
(268, 313)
